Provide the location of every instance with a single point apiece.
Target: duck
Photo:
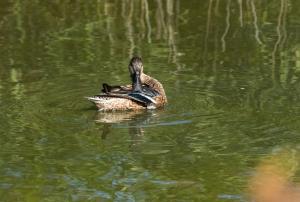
(144, 92)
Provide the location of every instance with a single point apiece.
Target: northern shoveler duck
(145, 92)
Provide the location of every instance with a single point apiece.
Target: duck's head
(135, 66)
(136, 70)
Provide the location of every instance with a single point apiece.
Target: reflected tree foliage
(62, 31)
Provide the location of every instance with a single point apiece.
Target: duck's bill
(137, 83)
(93, 99)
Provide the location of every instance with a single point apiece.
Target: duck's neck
(154, 84)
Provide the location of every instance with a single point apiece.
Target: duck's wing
(135, 96)
(142, 97)
(145, 96)
(149, 91)
(145, 89)
(116, 89)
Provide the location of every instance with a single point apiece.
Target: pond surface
(231, 71)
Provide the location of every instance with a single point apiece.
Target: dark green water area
(231, 71)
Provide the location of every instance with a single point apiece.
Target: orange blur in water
(272, 182)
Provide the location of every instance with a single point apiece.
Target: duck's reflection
(135, 121)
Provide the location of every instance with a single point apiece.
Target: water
(230, 70)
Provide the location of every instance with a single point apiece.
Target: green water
(231, 71)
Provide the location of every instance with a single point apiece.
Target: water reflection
(133, 120)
